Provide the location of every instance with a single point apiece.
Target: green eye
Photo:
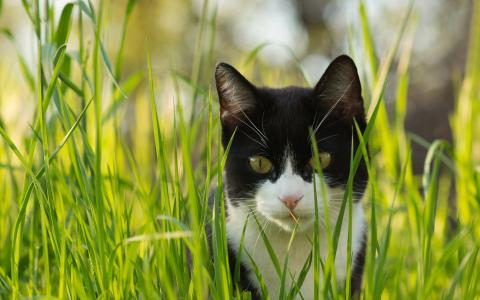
(325, 159)
(260, 164)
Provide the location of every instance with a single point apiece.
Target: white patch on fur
(276, 222)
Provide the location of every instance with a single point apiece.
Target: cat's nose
(291, 201)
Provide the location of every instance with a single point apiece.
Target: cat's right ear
(235, 93)
(339, 91)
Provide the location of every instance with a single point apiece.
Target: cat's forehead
(287, 97)
(284, 119)
(286, 108)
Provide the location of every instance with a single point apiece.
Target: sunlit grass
(91, 211)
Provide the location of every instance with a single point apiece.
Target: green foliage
(88, 211)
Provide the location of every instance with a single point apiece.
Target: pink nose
(291, 201)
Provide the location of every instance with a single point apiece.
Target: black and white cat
(269, 171)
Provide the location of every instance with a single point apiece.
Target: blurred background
(287, 35)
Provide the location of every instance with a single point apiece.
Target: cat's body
(299, 252)
(269, 174)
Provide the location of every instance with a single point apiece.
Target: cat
(269, 172)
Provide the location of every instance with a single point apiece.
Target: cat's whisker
(328, 137)
(256, 128)
(333, 209)
(256, 141)
(340, 196)
(334, 105)
(263, 128)
(241, 198)
(315, 118)
(326, 115)
(262, 229)
(338, 202)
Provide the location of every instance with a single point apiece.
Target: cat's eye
(260, 164)
(324, 157)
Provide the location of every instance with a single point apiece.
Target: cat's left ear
(236, 94)
(339, 91)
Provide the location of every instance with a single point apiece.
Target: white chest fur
(298, 253)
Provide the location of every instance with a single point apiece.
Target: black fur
(357, 272)
(244, 283)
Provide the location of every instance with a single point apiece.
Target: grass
(88, 211)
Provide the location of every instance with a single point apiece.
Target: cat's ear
(235, 93)
(339, 91)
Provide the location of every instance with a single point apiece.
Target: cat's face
(269, 168)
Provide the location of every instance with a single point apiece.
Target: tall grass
(88, 211)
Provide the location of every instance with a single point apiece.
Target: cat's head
(269, 166)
